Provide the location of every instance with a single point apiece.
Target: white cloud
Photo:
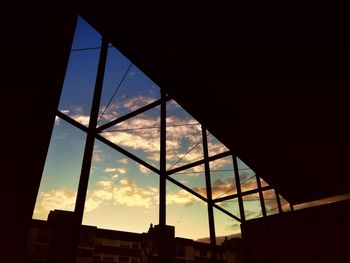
(114, 177)
(96, 157)
(110, 170)
(124, 161)
(81, 118)
(180, 197)
(137, 102)
(105, 184)
(122, 170)
(143, 169)
(58, 199)
(123, 192)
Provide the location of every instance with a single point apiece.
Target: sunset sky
(122, 194)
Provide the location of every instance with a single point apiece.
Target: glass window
(116, 184)
(184, 137)
(193, 178)
(222, 177)
(252, 206)
(225, 226)
(183, 209)
(81, 73)
(270, 201)
(62, 169)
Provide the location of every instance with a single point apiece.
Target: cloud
(124, 161)
(59, 199)
(110, 170)
(180, 139)
(96, 157)
(119, 192)
(219, 188)
(137, 102)
(180, 197)
(122, 170)
(143, 169)
(63, 199)
(81, 118)
(114, 177)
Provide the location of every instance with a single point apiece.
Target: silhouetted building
(48, 239)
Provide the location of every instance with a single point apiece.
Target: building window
(124, 244)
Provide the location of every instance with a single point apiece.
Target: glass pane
(263, 183)
(81, 74)
(231, 206)
(85, 36)
(116, 67)
(61, 174)
(252, 206)
(270, 202)
(126, 88)
(184, 137)
(121, 194)
(225, 226)
(215, 146)
(222, 177)
(285, 205)
(247, 176)
(187, 213)
(193, 178)
(139, 135)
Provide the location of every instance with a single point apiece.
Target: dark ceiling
(284, 111)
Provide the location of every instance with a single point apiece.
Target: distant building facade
(101, 246)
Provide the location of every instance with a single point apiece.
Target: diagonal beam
(109, 143)
(131, 114)
(186, 188)
(227, 213)
(190, 165)
(71, 121)
(127, 153)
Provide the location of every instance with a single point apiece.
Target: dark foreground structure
(49, 238)
(283, 111)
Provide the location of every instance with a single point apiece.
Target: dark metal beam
(190, 165)
(109, 143)
(227, 212)
(291, 207)
(87, 158)
(229, 197)
(209, 196)
(280, 210)
(238, 186)
(72, 121)
(89, 144)
(163, 244)
(186, 188)
(126, 153)
(261, 197)
(130, 115)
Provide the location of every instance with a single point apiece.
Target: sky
(122, 194)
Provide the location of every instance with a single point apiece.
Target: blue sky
(123, 195)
